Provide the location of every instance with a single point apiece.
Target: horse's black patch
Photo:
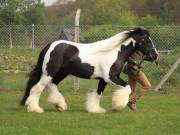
(117, 66)
(56, 59)
(64, 58)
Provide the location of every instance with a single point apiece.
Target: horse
(102, 60)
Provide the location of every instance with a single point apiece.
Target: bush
(148, 20)
(127, 18)
(98, 33)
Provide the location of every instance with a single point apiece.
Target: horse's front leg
(121, 95)
(93, 98)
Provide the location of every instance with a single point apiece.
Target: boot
(132, 106)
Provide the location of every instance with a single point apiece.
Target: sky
(48, 2)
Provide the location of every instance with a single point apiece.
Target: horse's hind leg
(33, 99)
(56, 98)
(93, 99)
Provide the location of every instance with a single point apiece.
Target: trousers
(142, 79)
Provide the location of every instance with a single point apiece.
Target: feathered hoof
(120, 98)
(97, 110)
(35, 109)
(61, 108)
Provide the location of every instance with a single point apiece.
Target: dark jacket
(134, 63)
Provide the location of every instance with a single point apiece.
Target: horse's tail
(35, 75)
(33, 79)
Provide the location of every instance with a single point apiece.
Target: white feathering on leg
(121, 98)
(56, 98)
(93, 103)
(32, 101)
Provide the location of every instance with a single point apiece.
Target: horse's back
(63, 56)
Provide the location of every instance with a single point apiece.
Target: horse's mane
(109, 43)
(116, 40)
(122, 38)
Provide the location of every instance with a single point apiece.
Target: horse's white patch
(126, 43)
(56, 98)
(121, 98)
(93, 103)
(33, 99)
(154, 46)
(151, 42)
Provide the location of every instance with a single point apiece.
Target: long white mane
(107, 44)
(102, 45)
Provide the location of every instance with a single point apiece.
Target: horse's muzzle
(152, 55)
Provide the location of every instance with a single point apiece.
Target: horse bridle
(148, 49)
(153, 48)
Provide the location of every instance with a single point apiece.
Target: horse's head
(144, 43)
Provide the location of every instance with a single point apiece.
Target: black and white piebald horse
(102, 60)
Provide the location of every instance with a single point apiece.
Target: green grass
(157, 114)
(20, 52)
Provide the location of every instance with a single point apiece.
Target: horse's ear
(139, 31)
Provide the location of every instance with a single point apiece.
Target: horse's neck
(109, 44)
(125, 51)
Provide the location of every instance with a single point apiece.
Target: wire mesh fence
(166, 38)
(27, 36)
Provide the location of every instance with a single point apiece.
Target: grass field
(158, 112)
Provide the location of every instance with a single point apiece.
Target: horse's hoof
(102, 110)
(61, 108)
(37, 109)
(98, 110)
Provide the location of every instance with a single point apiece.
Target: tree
(149, 20)
(17, 11)
(121, 12)
(35, 14)
(9, 13)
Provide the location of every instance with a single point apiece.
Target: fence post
(164, 79)
(33, 45)
(76, 39)
(10, 37)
